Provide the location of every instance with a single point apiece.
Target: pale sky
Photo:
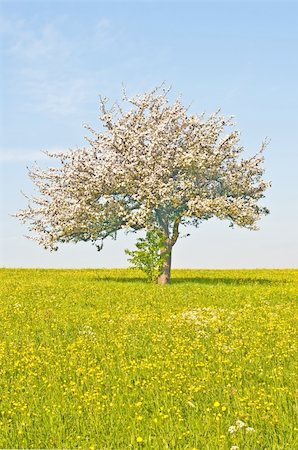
(58, 56)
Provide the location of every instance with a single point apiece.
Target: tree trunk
(165, 276)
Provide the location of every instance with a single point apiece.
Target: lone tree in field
(155, 167)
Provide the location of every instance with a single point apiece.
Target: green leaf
(147, 256)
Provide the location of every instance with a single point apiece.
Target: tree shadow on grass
(196, 280)
(121, 279)
(226, 281)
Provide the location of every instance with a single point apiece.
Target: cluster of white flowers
(239, 424)
(17, 306)
(88, 333)
(153, 166)
(204, 318)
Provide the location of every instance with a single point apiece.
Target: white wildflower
(240, 424)
(88, 332)
(17, 306)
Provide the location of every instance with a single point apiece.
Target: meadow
(100, 359)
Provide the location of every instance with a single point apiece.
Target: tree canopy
(153, 166)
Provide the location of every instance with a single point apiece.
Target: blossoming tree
(153, 167)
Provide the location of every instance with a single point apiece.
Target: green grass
(99, 359)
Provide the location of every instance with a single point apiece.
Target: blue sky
(58, 56)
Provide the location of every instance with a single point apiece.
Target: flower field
(100, 359)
